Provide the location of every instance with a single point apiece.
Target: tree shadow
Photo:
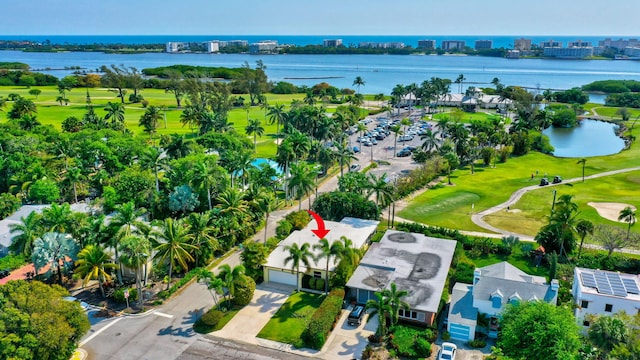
(181, 331)
(192, 316)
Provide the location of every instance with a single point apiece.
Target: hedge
(410, 342)
(118, 295)
(164, 294)
(323, 319)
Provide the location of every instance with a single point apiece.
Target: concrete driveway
(252, 318)
(346, 341)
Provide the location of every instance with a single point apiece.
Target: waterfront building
(453, 45)
(332, 42)
(619, 44)
(385, 45)
(213, 46)
(569, 52)
(484, 44)
(632, 52)
(522, 44)
(238, 43)
(427, 44)
(173, 47)
(513, 54)
(551, 44)
(263, 47)
(579, 43)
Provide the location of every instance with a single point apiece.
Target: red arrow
(321, 232)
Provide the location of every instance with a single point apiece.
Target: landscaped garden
(291, 320)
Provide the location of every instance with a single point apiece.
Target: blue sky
(327, 17)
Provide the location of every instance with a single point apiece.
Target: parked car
(356, 315)
(557, 179)
(544, 182)
(403, 153)
(447, 351)
(356, 149)
(354, 167)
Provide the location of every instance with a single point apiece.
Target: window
(496, 301)
(408, 314)
(608, 308)
(585, 323)
(317, 274)
(584, 304)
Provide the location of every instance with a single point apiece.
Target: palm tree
(126, 221)
(205, 177)
(214, 284)
(115, 113)
(582, 161)
(380, 307)
(379, 186)
(178, 147)
(349, 252)
(155, 160)
(93, 263)
(583, 227)
(301, 181)
(232, 202)
(149, 120)
(327, 251)
(135, 253)
(278, 115)
(397, 92)
(300, 144)
(344, 155)
(460, 81)
(628, 215)
(56, 217)
(298, 254)
(173, 245)
(394, 299)
(254, 127)
(56, 250)
(358, 82)
(27, 232)
(395, 129)
(266, 204)
(202, 234)
(230, 276)
(74, 175)
(429, 140)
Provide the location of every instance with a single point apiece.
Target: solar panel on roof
(631, 286)
(616, 284)
(603, 283)
(588, 280)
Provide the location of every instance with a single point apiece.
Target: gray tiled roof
(510, 281)
(462, 310)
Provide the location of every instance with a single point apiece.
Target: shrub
(244, 289)
(410, 342)
(423, 347)
(477, 343)
(319, 284)
(323, 319)
(312, 283)
(118, 295)
(464, 271)
(164, 294)
(445, 335)
(298, 219)
(211, 317)
(284, 229)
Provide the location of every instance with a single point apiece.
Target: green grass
(203, 329)
(517, 259)
(467, 117)
(288, 324)
(451, 206)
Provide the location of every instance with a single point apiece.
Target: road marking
(99, 332)
(163, 314)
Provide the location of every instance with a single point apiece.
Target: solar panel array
(609, 283)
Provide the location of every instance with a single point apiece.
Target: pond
(589, 138)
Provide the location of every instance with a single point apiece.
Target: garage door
(460, 332)
(282, 277)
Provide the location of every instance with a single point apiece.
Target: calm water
(380, 72)
(591, 138)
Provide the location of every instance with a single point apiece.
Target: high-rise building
(551, 44)
(332, 42)
(453, 45)
(426, 44)
(522, 44)
(484, 44)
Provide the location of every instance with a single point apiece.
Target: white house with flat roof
(414, 262)
(494, 287)
(359, 231)
(599, 292)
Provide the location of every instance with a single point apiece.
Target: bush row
(323, 319)
(164, 294)
(410, 342)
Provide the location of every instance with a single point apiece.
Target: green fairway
(51, 112)
(451, 206)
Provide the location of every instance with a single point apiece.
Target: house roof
(416, 263)
(24, 211)
(357, 230)
(510, 282)
(607, 283)
(462, 310)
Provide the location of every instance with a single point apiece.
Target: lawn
(288, 324)
(451, 206)
(535, 205)
(228, 315)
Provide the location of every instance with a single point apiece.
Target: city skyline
(331, 17)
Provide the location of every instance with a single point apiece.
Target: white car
(83, 304)
(447, 351)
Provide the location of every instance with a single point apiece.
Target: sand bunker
(609, 211)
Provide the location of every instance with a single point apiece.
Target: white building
(213, 46)
(599, 292)
(494, 287)
(263, 47)
(453, 45)
(276, 270)
(332, 42)
(569, 52)
(173, 47)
